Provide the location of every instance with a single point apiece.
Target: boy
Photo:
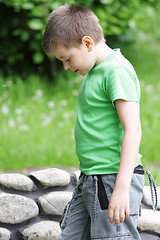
(106, 201)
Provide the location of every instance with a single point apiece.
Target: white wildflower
(18, 111)
(5, 109)
(11, 123)
(60, 124)
(50, 104)
(75, 92)
(46, 121)
(38, 94)
(66, 115)
(149, 88)
(24, 127)
(78, 79)
(63, 102)
(156, 98)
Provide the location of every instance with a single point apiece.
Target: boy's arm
(128, 113)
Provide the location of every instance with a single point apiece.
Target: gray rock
(52, 177)
(147, 196)
(16, 209)
(148, 236)
(149, 221)
(16, 181)
(5, 234)
(55, 202)
(45, 230)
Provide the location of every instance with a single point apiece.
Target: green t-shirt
(98, 130)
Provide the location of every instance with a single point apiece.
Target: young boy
(105, 203)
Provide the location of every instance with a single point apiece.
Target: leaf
(24, 36)
(35, 24)
(106, 1)
(38, 57)
(27, 5)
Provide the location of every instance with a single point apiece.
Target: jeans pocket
(64, 216)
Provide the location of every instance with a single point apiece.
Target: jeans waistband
(138, 170)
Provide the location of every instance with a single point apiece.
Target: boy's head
(67, 25)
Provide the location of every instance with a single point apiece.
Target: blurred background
(38, 98)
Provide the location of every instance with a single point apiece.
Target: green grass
(37, 120)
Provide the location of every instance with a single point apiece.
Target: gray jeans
(86, 216)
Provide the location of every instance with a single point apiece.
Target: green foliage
(23, 23)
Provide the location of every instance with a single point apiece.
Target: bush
(23, 23)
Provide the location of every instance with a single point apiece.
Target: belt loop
(152, 186)
(95, 179)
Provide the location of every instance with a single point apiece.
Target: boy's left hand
(118, 207)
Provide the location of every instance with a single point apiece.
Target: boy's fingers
(110, 216)
(116, 216)
(127, 213)
(122, 216)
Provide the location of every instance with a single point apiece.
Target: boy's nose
(66, 66)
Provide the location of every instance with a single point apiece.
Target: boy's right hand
(118, 207)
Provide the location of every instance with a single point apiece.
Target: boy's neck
(102, 51)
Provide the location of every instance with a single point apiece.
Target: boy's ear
(88, 42)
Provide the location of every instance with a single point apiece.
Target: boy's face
(79, 59)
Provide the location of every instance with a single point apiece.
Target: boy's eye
(68, 60)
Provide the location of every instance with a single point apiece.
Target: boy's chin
(82, 73)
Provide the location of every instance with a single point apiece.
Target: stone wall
(32, 205)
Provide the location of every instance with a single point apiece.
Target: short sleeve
(122, 84)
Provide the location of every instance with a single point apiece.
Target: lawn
(37, 120)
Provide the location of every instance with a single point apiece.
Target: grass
(37, 122)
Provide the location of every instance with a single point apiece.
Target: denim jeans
(85, 219)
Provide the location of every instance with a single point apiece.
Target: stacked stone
(149, 222)
(31, 206)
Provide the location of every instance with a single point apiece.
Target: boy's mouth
(76, 71)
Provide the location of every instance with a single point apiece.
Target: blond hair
(68, 24)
